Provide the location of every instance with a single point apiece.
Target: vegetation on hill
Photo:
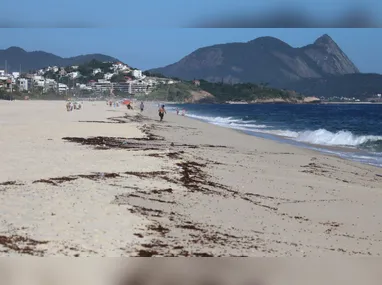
(360, 86)
(183, 91)
(86, 73)
(121, 77)
(159, 75)
(153, 74)
(86, 69)
(177, 92)
(247, 92)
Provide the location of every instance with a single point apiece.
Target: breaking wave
(235, 123)
(321, 137)
(318, 137)
(341, 138)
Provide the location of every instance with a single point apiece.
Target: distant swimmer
(162, 111)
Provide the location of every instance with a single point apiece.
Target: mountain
(17, 57)
(265, 59)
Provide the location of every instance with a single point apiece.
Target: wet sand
(112, 182)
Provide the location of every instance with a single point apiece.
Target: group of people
(183, 111)
(162, 111)
(70, 106)
(141, 106)
(112, 104)
(161, 108)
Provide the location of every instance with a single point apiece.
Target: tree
(150, 74)
(50, 74)
(118, 78)
(99, 75)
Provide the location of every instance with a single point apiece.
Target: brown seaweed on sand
(10, 183)
(105, 143)
(20, 244)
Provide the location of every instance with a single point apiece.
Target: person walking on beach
(142, 106)
(177, 111)
(162, 111)
(68, 106)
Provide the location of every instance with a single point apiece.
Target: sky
(147, 48)
(151, 33)
(176, 13)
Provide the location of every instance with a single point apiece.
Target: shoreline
(121, 183)
(332, 150)
(218, 103)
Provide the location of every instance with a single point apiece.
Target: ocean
(350, 131)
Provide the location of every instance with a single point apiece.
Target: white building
(74, 74)
(2, 72)
(97, 70)
(137, 73)
(84, 87)
(50, 81)
(119, 66)
(24, 84)
(50, 84)
(108, 76)
(62, 72)
(39, 81)
(14, 77)
(62, 87)
(37, 77)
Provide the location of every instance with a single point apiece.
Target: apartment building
(24, 84)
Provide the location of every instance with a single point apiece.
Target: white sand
(78, 217)
(266, 206)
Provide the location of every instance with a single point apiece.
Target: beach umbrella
(126, 102)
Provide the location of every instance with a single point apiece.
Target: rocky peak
(329, 57)
(325, 41)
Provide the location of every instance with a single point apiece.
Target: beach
(111, 182)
